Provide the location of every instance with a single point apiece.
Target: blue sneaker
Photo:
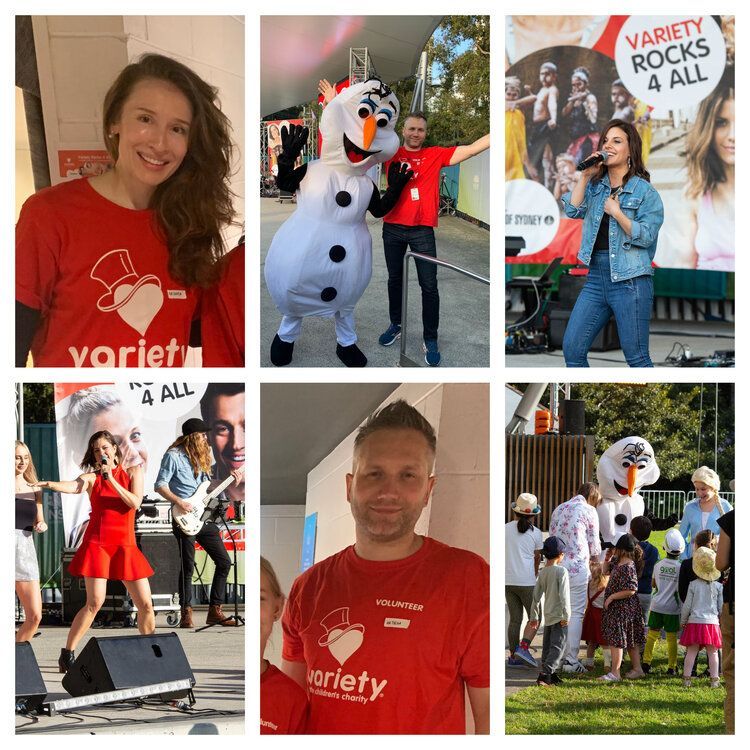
(513, 662)
(431, 353)
(392, 335)
(524, 655)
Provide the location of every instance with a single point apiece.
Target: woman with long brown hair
(108, 550)
(29, 518)
(709, 156)
(622, 214)
(184, 467)
(109, 269)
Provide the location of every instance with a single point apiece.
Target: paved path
(464, 303)
(216, 656)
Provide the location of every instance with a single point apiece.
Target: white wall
(79, 57)
(280, 543)
(458, 513)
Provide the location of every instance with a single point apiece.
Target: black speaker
(128, 661)
(573, 417)
(163, 554)
(30, 687)
(606, 340)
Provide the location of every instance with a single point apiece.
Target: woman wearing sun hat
(703, 512)
(700, 615)
(523, 544)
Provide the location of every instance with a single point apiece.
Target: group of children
(630, 587)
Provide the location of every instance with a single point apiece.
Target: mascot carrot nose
(632, 475)
(368, 132)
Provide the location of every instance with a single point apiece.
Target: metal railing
(663, 503)
(404, 361)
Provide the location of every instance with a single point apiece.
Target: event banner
(144, 420)
(672, 77)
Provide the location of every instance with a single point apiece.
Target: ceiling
(297, 51)
(301, 423)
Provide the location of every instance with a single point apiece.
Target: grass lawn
(656, 704)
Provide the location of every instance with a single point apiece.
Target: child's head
(548, 73)
(674, 543)
(707, 483)
(705, 538)
(271, 601)
(640, 528)
(553, 549)
(565, 164)
(619, 95)
(512, 87)
(598, 579)
(627, 548)
(704, 564)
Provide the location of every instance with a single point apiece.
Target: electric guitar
(189, 521)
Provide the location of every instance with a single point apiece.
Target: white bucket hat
(674, 541)
(526, 505)
(704, 564)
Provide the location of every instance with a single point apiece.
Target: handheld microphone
(105, 473)
(598, 157)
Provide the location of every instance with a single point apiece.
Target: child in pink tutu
(592, 620)
(700, 615)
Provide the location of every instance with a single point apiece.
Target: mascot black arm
(27, 321)
(398, 176)
(660, 524)
(293, 140)
(289, 178)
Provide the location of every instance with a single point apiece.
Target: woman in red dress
(108, 550)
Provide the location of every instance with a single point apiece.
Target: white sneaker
(575, 667)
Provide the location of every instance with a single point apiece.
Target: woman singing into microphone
(622, 214)
(108, 550)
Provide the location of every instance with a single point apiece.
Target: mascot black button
(337, 253)
(343, 198)
(328, 294)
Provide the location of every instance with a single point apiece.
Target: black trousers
(210, 539)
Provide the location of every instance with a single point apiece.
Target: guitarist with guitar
(183, 479)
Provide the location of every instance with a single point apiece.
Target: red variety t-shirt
(223, 315)
(389, 646)
(418, 204)
(98, 274)
(283, 703)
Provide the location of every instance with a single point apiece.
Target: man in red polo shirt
(389, 634)
(410, 224)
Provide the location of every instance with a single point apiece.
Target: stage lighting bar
(115, 696)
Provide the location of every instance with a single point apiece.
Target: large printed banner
(671, 76)
(145, 419)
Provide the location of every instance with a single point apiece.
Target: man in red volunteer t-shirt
(389, 634)
(410, 224)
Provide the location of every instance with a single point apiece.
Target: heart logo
(142, 307)
(343, 647)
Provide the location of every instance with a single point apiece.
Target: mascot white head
(359, 127)
(624, 468)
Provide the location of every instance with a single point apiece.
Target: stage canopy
(297, 51)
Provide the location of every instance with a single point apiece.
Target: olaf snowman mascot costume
(624, 468)
(320, 260)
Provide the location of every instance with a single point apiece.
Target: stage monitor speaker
(573, 417)
(128, 661)
(30, 687)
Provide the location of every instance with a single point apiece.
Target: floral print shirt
(577, 524)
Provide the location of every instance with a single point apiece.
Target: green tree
(458, 103)
(38, 403)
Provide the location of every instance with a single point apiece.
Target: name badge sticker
(415, 194)
(395, 622)
(176, 294)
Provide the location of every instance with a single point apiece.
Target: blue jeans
(396, 239)
(630, 301)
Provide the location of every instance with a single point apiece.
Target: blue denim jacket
(629, 255)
